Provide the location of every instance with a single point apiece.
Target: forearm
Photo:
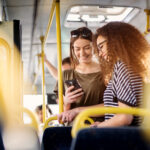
(52, 69)
(80, 109)
(117, 120)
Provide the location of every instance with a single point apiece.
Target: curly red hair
(125, 43)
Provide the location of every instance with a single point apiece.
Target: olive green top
(92, 85)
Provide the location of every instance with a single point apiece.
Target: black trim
(17, 34)
(115, 100)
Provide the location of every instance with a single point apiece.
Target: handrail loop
(48, 120)
(34, 122)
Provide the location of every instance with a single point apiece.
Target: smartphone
(74, 83)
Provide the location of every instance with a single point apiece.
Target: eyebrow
(83, 46)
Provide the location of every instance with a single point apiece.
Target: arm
(51, 68)
(69, 115)
(117, 120)
(80, 109)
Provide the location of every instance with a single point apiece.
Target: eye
(101, 46)
(77, 49)
(87, 48)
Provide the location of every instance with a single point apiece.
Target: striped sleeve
(124, 78)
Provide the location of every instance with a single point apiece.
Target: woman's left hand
(68, 116)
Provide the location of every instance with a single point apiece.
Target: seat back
(123, 138)
(1, 141)
(21, 138)
(55, 138)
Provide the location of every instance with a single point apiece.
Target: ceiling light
(88, 18)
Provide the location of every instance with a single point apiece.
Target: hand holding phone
(73, 94)
(74, 83)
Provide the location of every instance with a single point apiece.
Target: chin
(85, 61)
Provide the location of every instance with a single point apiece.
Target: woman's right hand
(72, 96)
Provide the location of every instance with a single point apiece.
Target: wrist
(67, 106)
(78, 109)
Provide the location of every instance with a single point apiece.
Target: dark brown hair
(82, 33)
(66, 61)
(125, 43)
(39, 108)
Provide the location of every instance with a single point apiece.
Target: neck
(88, 67)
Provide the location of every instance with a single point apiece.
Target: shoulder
(121, 67)
(67, 74)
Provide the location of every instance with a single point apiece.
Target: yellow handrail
(34, 122)
(147, 30)
(59, 56)
(50, 21)
(4, 88)
(43, 41)
(43, 80)
(48, 120)
(80, 119)
(60, 87)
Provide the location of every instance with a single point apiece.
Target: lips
(84, 57)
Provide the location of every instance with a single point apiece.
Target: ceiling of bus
(23, 10)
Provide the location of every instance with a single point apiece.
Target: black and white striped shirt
(126, 87)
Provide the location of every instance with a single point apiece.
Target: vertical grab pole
(147, 11)
(59, 56)
(43, 41)
(43, 79)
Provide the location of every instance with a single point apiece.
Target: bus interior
(33, 29)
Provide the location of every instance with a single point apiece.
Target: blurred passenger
(86, 72)
(39, 112)
(66, 65)
(123, 53)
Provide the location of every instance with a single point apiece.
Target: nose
(100, 53)
(82, 52)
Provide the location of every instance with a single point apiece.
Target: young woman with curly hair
(123, 55)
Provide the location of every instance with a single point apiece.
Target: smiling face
(102, 47)
(83, 50)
